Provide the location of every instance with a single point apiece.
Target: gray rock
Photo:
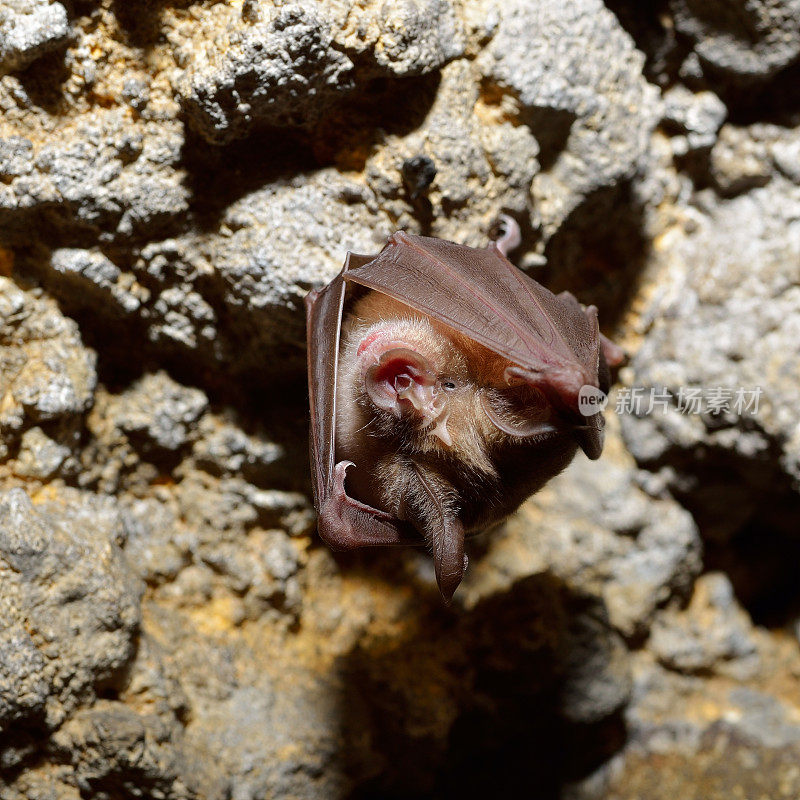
(28, 30)
(231, 505)
(273, 72)
(698, 116)
(73, 604)
(223, 447)
(39, 456)
(740, 161)
(713, 633)
(47, 373)
(113, 747)
(258, 663)
(16, 157)
(157, 544)
(99, 282)
(747, 40)
(577, 78)
(104, 172)
(302, 745)
(160, 410)
(272, 246)
(600, 534)
(285, 66)
(183, 285)
(747, 157)
(405, 37)
(482, 169)
(42, 783)
(279, 242)
(23, 687)
(724, 320)
(728, 739)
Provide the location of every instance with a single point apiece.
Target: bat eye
(448, 385)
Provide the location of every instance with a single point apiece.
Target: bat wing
(479, 293)
(344, 523)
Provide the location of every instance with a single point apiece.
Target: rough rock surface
(174, 177)
(260, 65)
(749, 40)
(584, 99)
(724, 321)
(28, 29)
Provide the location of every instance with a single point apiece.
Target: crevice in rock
(218, 175)
(43, 81)
(140, 20)
(648, 22)
(747, 512)
(777, 101)
(551, 127)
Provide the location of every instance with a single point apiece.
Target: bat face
(450, 392)
(413, 391)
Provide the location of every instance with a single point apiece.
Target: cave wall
(174, 177)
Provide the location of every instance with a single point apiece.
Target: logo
(591, 400)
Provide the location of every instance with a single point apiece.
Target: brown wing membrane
(482, 295)
(343, 522)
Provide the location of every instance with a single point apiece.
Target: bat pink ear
(401, 376)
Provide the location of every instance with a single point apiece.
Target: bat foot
(509, 236)
(615, 356)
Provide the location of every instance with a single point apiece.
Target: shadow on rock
(513, 698)
(219, 175)
(599, 253)
(746, 508)
(141, 19)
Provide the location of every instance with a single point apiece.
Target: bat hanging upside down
(444, 387)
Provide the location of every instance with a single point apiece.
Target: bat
(444, 389)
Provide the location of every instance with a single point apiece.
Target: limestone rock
(47, 373)
(723, 321)
(747, 41)
(698, 116)
(285, 66)
(174, 177)
(577, 79)
(28, 29)
(160, 410)
(599, 533)
(283, 240)
(103, 173)
(72, 603)
(712, 634)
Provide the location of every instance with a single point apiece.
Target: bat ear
(402, 378)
